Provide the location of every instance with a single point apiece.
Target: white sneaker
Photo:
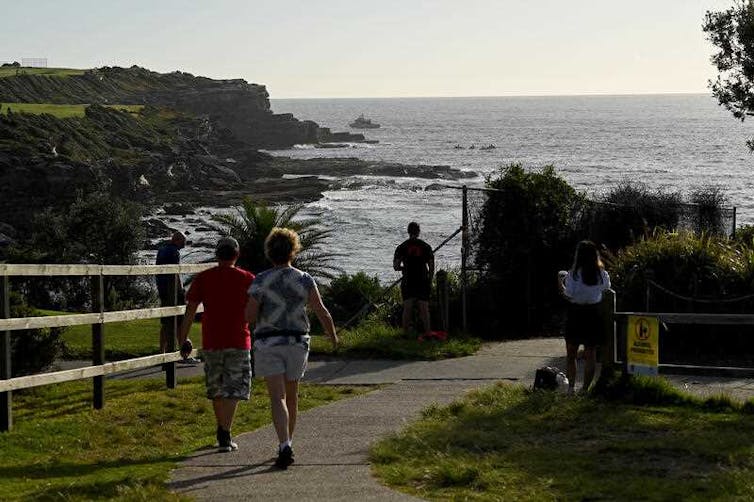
(232, 446)
(190, 361)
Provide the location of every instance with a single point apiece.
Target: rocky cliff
(241, 107)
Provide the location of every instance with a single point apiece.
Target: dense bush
(347, 294)
(96, 228)
(630, 211)
(690, 265)
(32, 350)
(528, 231)
(710, 207)
(745, 236)
(684, 272)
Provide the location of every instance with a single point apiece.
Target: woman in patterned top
(278, 298)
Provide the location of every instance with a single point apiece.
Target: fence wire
(611, 224)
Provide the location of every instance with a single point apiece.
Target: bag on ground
(550, 378)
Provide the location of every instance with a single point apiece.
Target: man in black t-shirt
(415, 259)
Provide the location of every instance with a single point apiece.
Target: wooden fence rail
(97, 319)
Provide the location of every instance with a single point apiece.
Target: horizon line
(472, 96)
(564, 95)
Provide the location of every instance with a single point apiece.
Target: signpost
(643, 345)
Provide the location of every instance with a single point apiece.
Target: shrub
(683, 272)
(32, 350)
(694, 266)
(96, 228)
(631, 211)
(347, 294)
(745, 236)
(709, 217)
(528, 232)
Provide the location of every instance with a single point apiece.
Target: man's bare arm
(397, 264)
(188, 320)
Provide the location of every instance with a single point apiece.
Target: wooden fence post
(442, 299)
(6, 398)
(98, 342)
(170, 379)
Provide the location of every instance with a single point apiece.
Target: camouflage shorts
(227, 373)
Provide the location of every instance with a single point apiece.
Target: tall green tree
(731, 31)
(252, 222)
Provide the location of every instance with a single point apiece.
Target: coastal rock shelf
(358, 167)
(181, 139)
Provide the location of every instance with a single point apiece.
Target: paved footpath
(332, 442)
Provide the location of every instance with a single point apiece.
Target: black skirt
(584, 325)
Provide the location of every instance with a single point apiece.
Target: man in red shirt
(226, 341)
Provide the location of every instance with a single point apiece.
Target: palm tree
(252, 223)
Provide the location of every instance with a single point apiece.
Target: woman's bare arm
(315, 303)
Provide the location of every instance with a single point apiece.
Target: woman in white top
(583, 286)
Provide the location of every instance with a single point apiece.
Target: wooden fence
(97, 319)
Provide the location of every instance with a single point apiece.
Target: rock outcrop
(241, 107)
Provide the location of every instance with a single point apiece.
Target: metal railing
(97, 319)
(616, 325)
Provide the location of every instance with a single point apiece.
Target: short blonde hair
(282, 245)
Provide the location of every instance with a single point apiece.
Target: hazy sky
(354, 48)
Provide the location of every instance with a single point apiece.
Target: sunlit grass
(61, 449)
(374, 340)
(371, 340)
(11, 71)
(509, 443)
(122, 339)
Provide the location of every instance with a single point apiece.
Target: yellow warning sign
(643, 348)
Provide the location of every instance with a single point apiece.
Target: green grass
(374, 340)
(123, 340)
(10, 71)
(60, 449)
(368, 341)
(60, 111)
(509, 443)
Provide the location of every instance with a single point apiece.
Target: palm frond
(254, 220)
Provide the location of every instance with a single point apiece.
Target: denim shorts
(272, 358)
(227, 373)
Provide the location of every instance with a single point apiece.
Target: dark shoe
(189, 361)
(285, 458)
(225, 443)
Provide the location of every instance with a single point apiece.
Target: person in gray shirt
(278, 298)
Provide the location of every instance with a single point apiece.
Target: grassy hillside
(11, 71)
(60, 111)
(87, 133)
(112, 85)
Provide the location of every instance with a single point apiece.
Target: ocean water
(676, 142)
